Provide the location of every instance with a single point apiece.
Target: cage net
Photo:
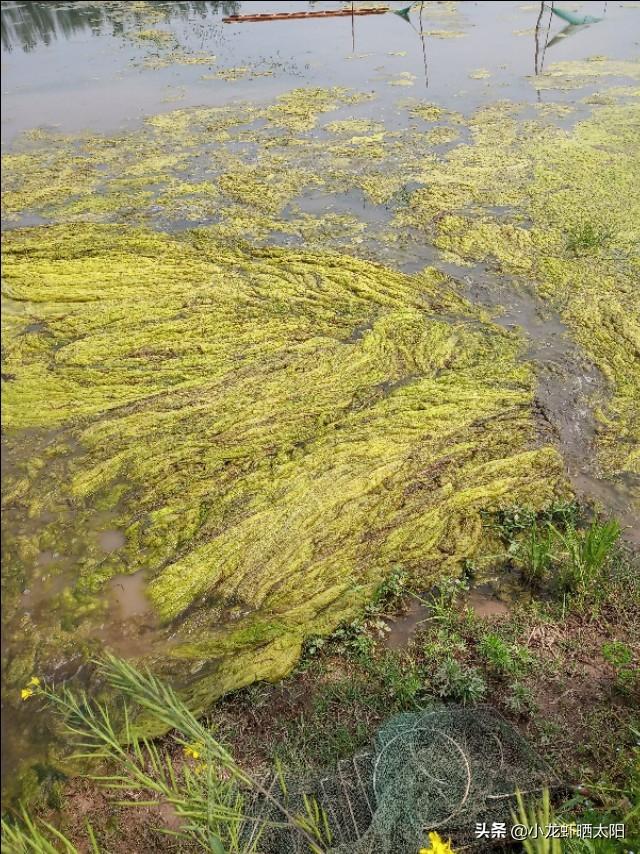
(445, 769)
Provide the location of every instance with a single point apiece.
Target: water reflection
(576, 23)
(424, 47)
(27, 25)
(540, 50)
(405, 14)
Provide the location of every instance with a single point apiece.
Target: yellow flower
(30, 688)
(192, 752)
(437, 846)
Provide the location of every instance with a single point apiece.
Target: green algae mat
(273, 430)
(242, 406)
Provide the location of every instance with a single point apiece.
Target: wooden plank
(288, 16)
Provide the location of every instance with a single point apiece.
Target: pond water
(83, 77)
(74, 66)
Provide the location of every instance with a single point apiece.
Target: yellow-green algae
(573, 74)
(242, 170)
(275, 428)
(406, 78)
(161, 38)
(559, 185)
(480, 74)
(442, 135)
(239, 72)
(443, 34)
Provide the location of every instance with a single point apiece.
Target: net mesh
(444, 769)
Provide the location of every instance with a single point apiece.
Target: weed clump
(585, 237)
(503, 658)
(558, 549)
(586, 556)
(458, 682)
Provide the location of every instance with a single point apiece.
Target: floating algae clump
(159, 37)
(574, 74)
(298, 110)
(273, 430)
(569, 207)
(242, 72)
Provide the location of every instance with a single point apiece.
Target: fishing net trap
(443, 769)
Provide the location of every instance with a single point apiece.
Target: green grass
(343, 714)
(337, 725)
(535, 553)
(537, 814)
(209, 792)
(620, 656)
(587, 553)
(557, 548)
(587, 237)
(503, 658)
(26, 836)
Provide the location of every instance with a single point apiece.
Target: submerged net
(444, 769)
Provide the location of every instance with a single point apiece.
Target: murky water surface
(95, 67)
(77, 66)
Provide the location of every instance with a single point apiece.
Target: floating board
(288, 16)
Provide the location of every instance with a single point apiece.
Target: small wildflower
(437, 845)
(192, 751)
(30, 689)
